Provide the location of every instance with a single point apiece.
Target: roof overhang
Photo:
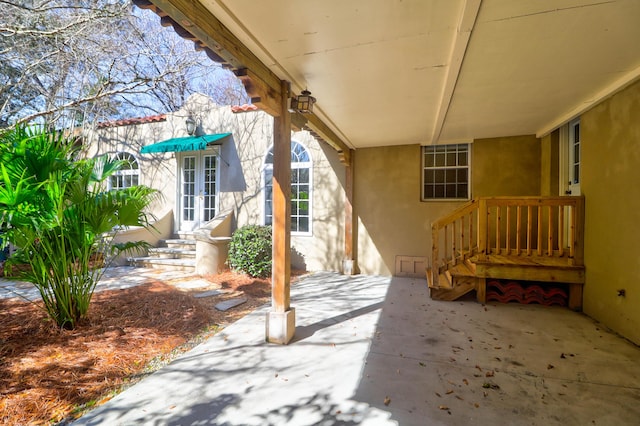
(423, 71)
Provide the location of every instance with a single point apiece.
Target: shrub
(250, 250)
(58, 211)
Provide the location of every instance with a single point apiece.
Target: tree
(57, 210)
(69, 62)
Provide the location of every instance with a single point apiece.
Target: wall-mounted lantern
(303, 103)
(191, 125)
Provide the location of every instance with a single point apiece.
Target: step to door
(172, 253)
(187, 265)
(180, 243)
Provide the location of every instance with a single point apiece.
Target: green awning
(188, 143)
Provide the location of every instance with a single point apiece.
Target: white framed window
(301, 173)
(446, 172)
(128, 175)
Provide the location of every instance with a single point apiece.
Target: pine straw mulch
(48, 374)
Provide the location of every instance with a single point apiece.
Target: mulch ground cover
(48, 374)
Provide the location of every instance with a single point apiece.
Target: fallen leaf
(490, 386)
(449, 392)
(443, 407)
(387, 400)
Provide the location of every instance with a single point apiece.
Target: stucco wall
(611, 186)
(507, 166)
(550, 164)
(391, 219)
(241, 167)
(323, 249)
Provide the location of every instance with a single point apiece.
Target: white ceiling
(392, 72)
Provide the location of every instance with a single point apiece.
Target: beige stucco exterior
(611, 186)
(241, 165)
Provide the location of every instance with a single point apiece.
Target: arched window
(128, 175)
(300, 189)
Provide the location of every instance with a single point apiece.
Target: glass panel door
(198, 190)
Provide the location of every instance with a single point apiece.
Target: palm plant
(58, 211)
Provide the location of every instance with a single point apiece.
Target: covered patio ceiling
(394, 72)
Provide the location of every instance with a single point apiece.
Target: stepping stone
(192, 284)
(209, 293)
(231, 303)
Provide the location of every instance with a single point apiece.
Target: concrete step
(187, 265)
(172, 253)
(180, 243)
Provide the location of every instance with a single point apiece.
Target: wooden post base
(281, 326)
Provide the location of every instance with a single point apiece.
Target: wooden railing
(512, 227)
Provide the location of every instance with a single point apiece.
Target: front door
(198, 189)
(574, 158)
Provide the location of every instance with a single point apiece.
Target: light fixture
(191, 125)
(303, 103)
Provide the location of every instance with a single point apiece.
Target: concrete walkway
(378, 351)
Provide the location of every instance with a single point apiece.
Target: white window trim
(469, 166)
(125, 172)
(263, 184)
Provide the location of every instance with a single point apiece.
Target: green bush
(57, 210)
(250, 250)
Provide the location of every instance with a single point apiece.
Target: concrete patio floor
(378, 351)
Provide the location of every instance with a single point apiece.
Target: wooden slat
(561, 230)
(539, 248)
(550, 247)
(529, 228)
(508, 231)
(498, 226)
(463, 248)
(518, 230)
(435, 268)
(453, 244)
(483, 218)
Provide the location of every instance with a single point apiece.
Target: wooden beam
(262, 96)
(194, 18)
(329, 136)
(456, 56)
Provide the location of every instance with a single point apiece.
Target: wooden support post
(281, 319)
(575, 297)
(348, 267)
(481, 290)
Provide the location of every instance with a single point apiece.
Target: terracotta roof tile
(130, 121)
(243, 108)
